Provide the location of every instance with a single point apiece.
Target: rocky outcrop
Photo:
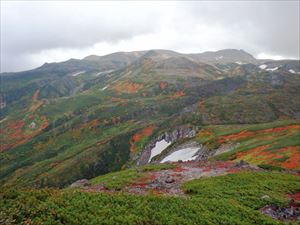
(290, 212)
(80, 183)
(172, 136)
(223, 148)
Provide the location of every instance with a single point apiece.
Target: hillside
(151, 137)
(82, 118)
(249, 198)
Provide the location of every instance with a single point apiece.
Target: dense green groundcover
(230, 199)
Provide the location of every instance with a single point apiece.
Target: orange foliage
(91, 124)
(238, 136)
(14, 133)
(138, 136)
(36, 105)
(146, 179)
(255, 151)
(163, 85)
(35, 96)
(262, 155)
(178, 169)
(294, 160)
(205, 133)
(127, 87)
(201, 106)
(280, 129)
(247, 134)
(177, 94)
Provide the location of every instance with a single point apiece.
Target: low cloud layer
(36, 32)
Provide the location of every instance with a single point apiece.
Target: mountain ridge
(82, 118)
(205, 57)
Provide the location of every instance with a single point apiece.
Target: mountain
(225, 56)
(151, 137)
(79, 119)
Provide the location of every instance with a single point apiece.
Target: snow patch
(293, 71)
(263, 66)
(78, 73)
(240, 63)
(3, 120)
(102, 89)
(185, 154)
(103, 72)
(272, 69)
(159, 147)
(219, 57)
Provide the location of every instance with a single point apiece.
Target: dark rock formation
(291, 212)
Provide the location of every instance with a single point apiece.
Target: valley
(152, 129)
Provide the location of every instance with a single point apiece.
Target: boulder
(169, 180)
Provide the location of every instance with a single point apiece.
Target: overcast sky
(36, 32)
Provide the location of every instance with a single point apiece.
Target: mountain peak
(225, 56)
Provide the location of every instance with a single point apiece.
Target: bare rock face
(81, 183)
(290, 212)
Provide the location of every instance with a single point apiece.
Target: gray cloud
(34, 32)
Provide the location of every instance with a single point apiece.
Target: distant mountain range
(82, 118)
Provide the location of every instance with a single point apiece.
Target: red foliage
(206, 169)
(163, 85)
(157, 192)
(177, 94)
(221, 164)
(14, 134)
(90, 125)
(233, 170)
(269, 157)
(255, 151)
(294, 159)
(235, 137)
(128, 87)
(246, 134)
(138, 136)
(178, 169)
(280, 129)
(295, 196)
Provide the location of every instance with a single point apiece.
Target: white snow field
(185, 154)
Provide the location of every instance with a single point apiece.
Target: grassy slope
(118, 180)
(83, 125)
(275, 144)
(209, 203)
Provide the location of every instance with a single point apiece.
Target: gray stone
(81, 183)
(169, 180)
